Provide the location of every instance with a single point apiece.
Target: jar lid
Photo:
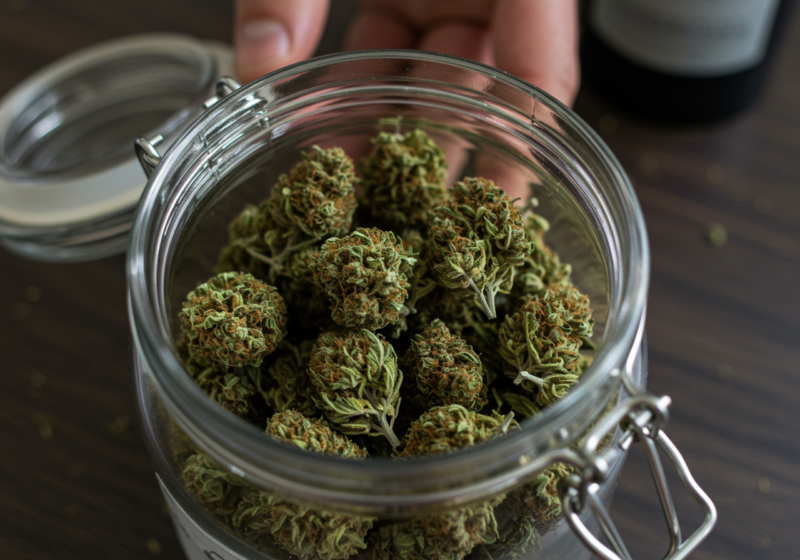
(69, 178)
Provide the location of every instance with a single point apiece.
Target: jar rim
(320, 478)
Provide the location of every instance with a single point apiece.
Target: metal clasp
(225, 86)
(147, 153)
(641, 419)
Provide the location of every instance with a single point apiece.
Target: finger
(379, 30)
(538, 42)
(425, 13)
(467, 40)
(270, 34)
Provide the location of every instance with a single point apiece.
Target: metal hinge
(146, 147)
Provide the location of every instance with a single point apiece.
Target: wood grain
(724, 341)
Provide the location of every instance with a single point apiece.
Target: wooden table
(724, 338)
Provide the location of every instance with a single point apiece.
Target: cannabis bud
(448, 428)
(294, 428)
(357, 381)
(247, 242)
(286, 384)
(542, 339)
(477, 239)
(305, 532)
(538, 500)
(521, 404)
(318, 196)
(217, 490)
(403, 178)
(234, 389)
(233, 319)
(310, 310)
(444, 536)
(366, 275)
(444, 369)
(542, 267)
(421, 283)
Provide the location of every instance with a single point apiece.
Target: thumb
(270, 34)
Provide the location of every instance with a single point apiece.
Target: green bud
(216, 490)
(357, 381)
(444, 369)
(233, 389)
(521, 404)
(233, 320)
(366, 275)
(318, 196)
(285, 383)
(542, 339)
(516, 536)
(477, 240)
(309, 534)
(263, 519)
(309, 310)
(421, 282)
(403, 178)
(247, 242)
(448, 428)
(294, 428)
(538, 500)
(444, 536)
(542, 267)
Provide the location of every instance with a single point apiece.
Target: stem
(487, 307)
(276, 261)
(384, 425)
(525, 376)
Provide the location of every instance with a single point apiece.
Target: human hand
(536, 40)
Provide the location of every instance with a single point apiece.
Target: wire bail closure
(146, 148)
(641, 419)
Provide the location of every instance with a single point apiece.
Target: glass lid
(69, 178)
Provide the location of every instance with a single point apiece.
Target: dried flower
(538, 500)
(357, 381)
(444, 536)
(448, 428)
(233, 319)
(421, 282)
(516, 535)
(542, 267)
(541, 341)
(304, 532)
(314, 201)
(366, 275)
(403, 178)
(520, 404)
(477, 239)
(294, 428)
(234, 389)
(285, 384)
(262, 518)
(444, 369)
(309, 310)
(217, 490)
(247, 242)
(318, 196)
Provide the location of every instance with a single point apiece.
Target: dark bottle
(679, 60)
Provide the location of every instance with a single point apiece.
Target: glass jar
(491, 124)
(69, 183)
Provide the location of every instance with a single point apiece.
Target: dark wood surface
(724, 338)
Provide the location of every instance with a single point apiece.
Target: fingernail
(261, 43)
